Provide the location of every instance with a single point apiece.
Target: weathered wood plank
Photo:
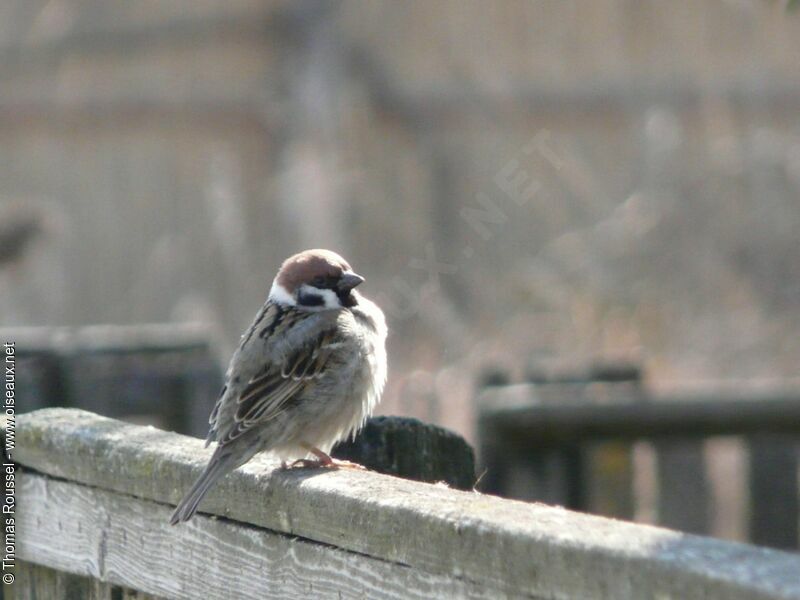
(127, 541)
(514, 548)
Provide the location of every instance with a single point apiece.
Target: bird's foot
(346, 464)
(306, 463)
(323, 460)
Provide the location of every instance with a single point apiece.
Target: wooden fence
(94, 496)
(163, 374)
(571, 443)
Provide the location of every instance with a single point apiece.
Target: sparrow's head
(316, 280)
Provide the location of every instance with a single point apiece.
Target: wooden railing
(166, 374)
(571, 443)
(94, 496)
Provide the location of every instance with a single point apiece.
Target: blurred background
(596, 202)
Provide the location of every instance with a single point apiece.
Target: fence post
(774, 490)
(683, 492)
(411, 449)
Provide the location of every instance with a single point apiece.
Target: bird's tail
(219, 465)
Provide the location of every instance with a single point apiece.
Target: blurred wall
(519, 181)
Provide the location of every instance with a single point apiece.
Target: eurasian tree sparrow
(307, 373)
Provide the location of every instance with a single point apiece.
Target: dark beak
(348, 281)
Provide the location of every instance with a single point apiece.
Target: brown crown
(305, 266)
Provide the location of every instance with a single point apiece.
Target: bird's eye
(318, 281)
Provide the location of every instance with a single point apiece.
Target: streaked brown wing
(272, 391)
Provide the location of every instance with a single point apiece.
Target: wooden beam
(148, 337)
(128, 541)
(467, 539)
(521, 411)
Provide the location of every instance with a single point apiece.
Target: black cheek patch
(347, 299)
(310, 299)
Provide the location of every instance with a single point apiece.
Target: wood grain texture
(513, 548)
(127, 541)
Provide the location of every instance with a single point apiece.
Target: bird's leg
(327, 461)
(306, 463)
(323, 460)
